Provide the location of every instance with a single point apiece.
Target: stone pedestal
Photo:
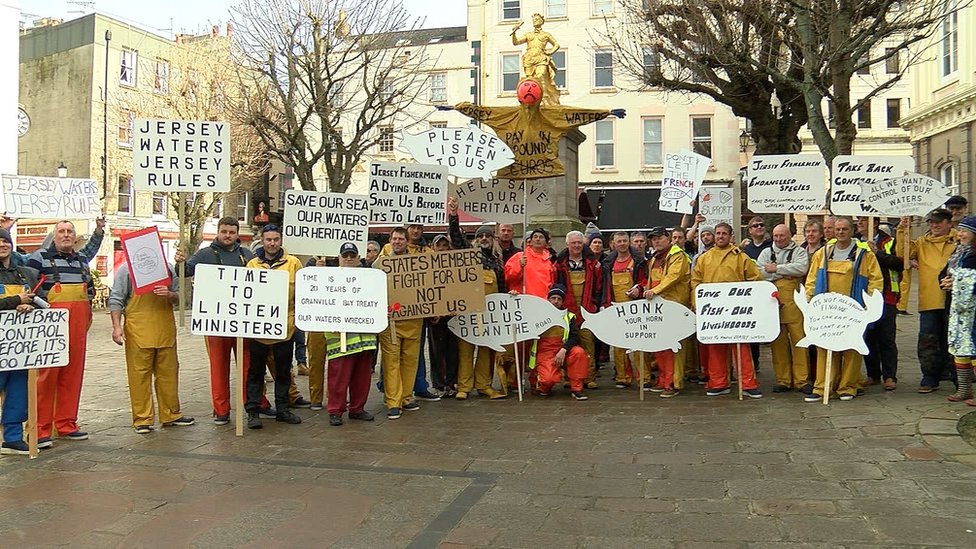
(564, 216)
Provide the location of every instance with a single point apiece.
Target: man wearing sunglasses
(753, 246)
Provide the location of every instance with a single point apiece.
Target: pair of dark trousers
(933, 347)
(882, 360)
(282, 352)
(443, 355)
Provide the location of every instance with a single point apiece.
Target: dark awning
(630, 208)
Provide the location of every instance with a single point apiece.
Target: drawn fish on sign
(530, 315)
(642, 325)
(467, 152)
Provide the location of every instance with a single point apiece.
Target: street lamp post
(108, 38)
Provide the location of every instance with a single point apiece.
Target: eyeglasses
(756, 225)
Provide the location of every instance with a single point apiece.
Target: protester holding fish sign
(670, 279)
(579, 271)
(558, 348)
(625, 277)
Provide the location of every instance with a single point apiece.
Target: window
(559, 59)
(652, 61)
(653, 140)
(218, 208)
(866, 67)
(603, 69)
(602, 7)
(950, 40)
(192, 85)
(124, 205)
(891, 61)
(438, 124)
(386, 91)
(894, 113)
(162, 77)
(242, 203)
(125, 129)
(701, 136)
(604, 144)
(127, 68)
(555, 8)
(831, 123)
(864, 115)
(386, 139)
(438, 87)
(511, 9)
(510, 72)
(159, 204)
(947, 174)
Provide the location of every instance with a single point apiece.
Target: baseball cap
(957, 200)
(939, 214)
(657, 231)
(347, 248)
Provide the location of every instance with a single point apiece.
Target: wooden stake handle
(829, 377)
(518, 362)
(241, 386)
(32, 413)
(640, 386)
(738, 367)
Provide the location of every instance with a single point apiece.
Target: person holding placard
(929, 256)
(786, 264)
(961, 282)
(580, 271)
(149, 337)
(881, 362)
(625, 277)
(400, 355)
(89, 250)
(558, 348)
(753, 246)
(69, 285)
(669, 278)
(531, 268)
(18, 293)
(272, 256)
(725, 263)
(845, 268)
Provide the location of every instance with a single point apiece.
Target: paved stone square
(885, 470)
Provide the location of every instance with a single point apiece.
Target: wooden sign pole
(342, 342)
(182, 265)
(828, 376)
(518, 365)
(241, 386)
(908, 247)
(640, 375)
(32, 413)
(738, 367)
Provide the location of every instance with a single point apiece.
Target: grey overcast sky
(197, 16)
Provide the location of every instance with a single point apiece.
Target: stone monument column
(564, 216)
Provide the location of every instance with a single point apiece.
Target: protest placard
(240, 302)
(849, 172)
(501, 200)
(684, 173)
(407, 193)
(143, 252)
(466, 152)
(737, 312)
(37, 339)
(341, 299)
(436, 284)
(318, 223)
(180, 155)
(642, 325)
(716, 204)
(836, 322)
(786, 183)
(528, 315)
(29, 197)
(912, 194)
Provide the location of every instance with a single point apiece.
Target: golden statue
(537, 60)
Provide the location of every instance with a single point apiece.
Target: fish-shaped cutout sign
(836, 322)
(527, 314)
(912, 194)
(642, 325)
(467, 152)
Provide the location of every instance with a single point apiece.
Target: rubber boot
(964, 389)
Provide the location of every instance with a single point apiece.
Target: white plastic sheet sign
(37, 339)
(642, 325)
(341, 299)
(466, 152)
(528, 315)
(28, 197)
(407, 193)
(240, 302)
(684, 173)
(913, 194)
(836, 322)
(737, 312)
(318, 223)
(180, 155)
(786, 183)
(502, 200)
(849, 172)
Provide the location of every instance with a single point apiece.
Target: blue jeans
(300, 356)
(13, 385)
(933, 348)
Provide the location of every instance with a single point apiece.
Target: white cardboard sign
(913, 194)
(784, 183)
(849, 172)
(240, 302)
(180, 155)
(501, 200)
(642, 325)
(467, 152)
(318, 223)
(528, 314)
(341, 299)
(407, 193)
(836, 322)
(737, 312)
(38, 339)
(28, 197)
(684, 173)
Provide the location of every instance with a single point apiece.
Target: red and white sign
(143, 251)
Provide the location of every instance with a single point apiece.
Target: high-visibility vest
(567, 318)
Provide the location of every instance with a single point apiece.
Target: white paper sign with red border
(737, 312)
(143, 251)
